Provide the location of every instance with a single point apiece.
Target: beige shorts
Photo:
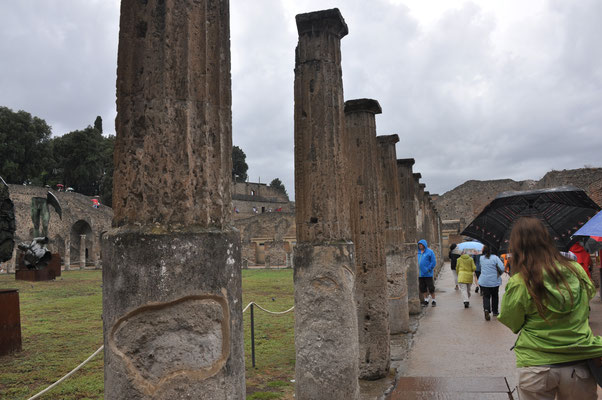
(562, 383)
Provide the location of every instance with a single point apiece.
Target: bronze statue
(7, 223)
(39, 210)
(37, 256)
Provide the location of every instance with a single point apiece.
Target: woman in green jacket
(547, 303)
(465, 267)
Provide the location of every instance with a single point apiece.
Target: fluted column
(409, 209)
(367, 228)
(397, 288)
(171, 276)
(325, 314)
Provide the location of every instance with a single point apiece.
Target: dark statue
(7, 223)
(36, 255)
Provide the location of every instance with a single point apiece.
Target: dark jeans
(491, 298)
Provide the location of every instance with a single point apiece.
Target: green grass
(61, 326)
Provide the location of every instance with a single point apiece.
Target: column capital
(405, 161)
(422, 185)
(388, 139)
(417, 176)
(329, 21)
(362, 105)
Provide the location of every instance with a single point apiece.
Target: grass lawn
(61, 326)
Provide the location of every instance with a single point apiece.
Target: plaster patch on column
(188, 337)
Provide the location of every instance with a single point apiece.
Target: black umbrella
(562, 210)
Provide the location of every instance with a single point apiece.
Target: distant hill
(468, 200)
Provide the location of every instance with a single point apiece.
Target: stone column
(367, 230)
(325, 313)
(397, 287)
(82, 251)
(67, 259)
(172, 312)
(409, 210)
(12, 264)
(96, 251)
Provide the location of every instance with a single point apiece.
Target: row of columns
(360, 212)
(172, 304)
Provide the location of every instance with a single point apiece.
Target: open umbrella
(563, 210)
(593, 229)
(469, 248)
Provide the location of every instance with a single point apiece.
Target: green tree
(24, 150)
(98, 124)
(278, 185)
(239, 165)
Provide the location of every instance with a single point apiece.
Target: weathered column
(325, 313)
(96, 251)
(12, 265)
(82, 251)
(409, 210)
(67, 259)
(397, 287)
(367, 230)
(172, 311)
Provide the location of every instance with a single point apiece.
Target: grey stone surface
(326, 365)
(180, 335)
(367, 223)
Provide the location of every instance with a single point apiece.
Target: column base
(172, 315)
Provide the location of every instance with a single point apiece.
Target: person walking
(490, 281)
(465, 268)
(476, 258)
(453, 258)
(426, 265)
(547, 301)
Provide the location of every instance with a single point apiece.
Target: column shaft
(367, 223)
(171, 271)
(325, 315)
(82, 251)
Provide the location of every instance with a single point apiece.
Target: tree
(279, 186)
(239, 165)
(24, 150)
(98, 124)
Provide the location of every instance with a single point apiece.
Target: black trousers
(491, 298)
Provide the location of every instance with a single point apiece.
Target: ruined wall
(262, 234)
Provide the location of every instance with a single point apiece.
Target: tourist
(490, 281)
(583, 257)
(453, 258)
(547, 301)
(426, 265)
(465, 268)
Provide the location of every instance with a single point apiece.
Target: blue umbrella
(593, 227)
(469, 247)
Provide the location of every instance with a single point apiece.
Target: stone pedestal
(325, 325)
(325, 312)
(181, 336)
(82, 251)
(10, 322)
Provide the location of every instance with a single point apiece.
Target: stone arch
(81, 227)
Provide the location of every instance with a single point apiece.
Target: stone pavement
(451, 341)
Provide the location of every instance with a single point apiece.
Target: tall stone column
(12, 264)
(67, 260)
(325, 313)
(82, 251)
(409, 210)
(397, 287)
(172, 312)
(367, 230)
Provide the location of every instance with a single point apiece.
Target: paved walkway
(452, 341)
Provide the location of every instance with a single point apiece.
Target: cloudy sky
(475, 89)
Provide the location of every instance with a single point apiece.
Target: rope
(68, 375)
(268, 311)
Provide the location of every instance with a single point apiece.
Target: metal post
(252, 336)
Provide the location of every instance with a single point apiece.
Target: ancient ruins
(326, 329)
(172, 276)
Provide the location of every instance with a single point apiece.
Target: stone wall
(250, 198)
(262, 234)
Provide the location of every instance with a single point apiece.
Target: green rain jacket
(566, 336)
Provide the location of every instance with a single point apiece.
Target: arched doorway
(78, 229)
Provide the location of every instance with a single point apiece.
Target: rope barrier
(68, 375)
(268, 311)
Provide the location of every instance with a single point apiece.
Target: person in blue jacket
(426, 265)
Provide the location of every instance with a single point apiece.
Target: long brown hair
(533, 253)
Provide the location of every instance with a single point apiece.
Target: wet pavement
(451, 341)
